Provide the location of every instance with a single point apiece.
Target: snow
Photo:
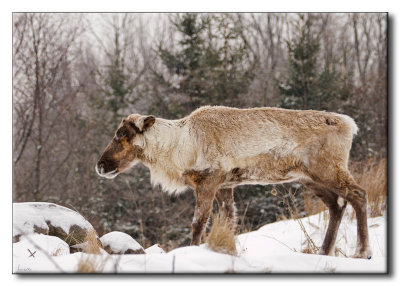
(50, 245)
(28, 215)
(274, 248)
(119, 242)
(154, 249)
(83, 246)
(37, 247)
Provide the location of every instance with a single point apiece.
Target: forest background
(75, 76)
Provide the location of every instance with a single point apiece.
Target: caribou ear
(145, 122)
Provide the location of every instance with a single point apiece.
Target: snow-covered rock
(117, 242)
(51, 219)
(154, 249)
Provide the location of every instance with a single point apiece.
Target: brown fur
(217, 148)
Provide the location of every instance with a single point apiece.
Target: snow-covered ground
(273, 248)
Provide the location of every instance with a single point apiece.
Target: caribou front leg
(204, 199)
(205, 184)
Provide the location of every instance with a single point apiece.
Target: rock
(116, 242)
(154, 249)
(49, 219)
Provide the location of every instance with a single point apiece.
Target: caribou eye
(121, 135)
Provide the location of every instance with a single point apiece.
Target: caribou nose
(100, 167)
(105, 166)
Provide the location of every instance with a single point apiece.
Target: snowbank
(274, 248)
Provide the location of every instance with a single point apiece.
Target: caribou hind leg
(343, 185)
(357, 197)
(336, 206)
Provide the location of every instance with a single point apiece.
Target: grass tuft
(92, 245)
(221, 236)
(91, 261)
(91, 264)
(372, 176)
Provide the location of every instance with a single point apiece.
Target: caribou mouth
(112, 174)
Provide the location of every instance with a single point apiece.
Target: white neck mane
(164, 148)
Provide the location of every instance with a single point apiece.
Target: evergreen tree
(308, 85)
(301, 87)
(115, 90)
(118, 86)
(207, 68)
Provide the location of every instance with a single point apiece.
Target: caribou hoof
(366, 254)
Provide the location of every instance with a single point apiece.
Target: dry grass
(93, 245)
(56, 252)
(92, 263)
(312, 204)
(289, 200)
(241, 226)
(372, 176)
(221, 236)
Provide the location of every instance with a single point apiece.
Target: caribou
(217, 148)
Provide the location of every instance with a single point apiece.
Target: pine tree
(301, 87)
(117, 84)
(208, 66)
(116, 89)
(309, 85)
